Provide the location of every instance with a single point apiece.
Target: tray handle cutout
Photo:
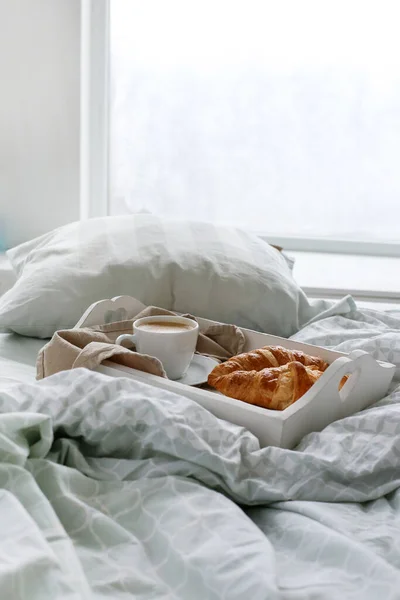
(367, 378)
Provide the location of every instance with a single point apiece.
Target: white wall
(39, 116)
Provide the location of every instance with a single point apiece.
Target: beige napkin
(90, 346)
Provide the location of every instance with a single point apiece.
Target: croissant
(271, 377)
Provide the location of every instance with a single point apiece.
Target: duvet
(112, 489)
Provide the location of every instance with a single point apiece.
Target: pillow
(7, 275)
(220, 273)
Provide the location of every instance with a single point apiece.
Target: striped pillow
(221, 273)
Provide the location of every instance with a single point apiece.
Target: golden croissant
(271, 377)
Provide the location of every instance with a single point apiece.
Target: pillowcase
(221, 273)
(7, 275)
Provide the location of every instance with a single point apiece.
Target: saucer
(198, 371)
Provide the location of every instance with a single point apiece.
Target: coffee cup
(170, 339)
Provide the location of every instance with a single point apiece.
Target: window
(282, 117)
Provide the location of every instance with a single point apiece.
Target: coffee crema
(164, 327)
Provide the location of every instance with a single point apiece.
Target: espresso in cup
(170, 339)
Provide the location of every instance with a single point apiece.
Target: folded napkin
(90, 346)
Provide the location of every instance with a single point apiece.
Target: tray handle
(368, 381)
(118, 308)
(324, 403)
(330, 381)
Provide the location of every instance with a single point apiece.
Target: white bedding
(7, 275)
(18, 357)
(112, 489)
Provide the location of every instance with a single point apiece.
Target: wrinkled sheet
(112, 489)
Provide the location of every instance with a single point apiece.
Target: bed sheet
(376, 332)
(18, 357)
(7, 275)
(113, 489)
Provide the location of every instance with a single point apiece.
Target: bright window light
(281, 117)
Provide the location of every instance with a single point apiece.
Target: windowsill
(368, 278)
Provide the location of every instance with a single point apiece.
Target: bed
(111, 488)
(18, 357)
(7, 276)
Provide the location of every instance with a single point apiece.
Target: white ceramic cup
(173, 344)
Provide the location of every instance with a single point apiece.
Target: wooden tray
(368, 382)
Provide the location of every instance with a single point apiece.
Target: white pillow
(221, 273)
(7, 275)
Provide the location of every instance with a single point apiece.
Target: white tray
(321, 405)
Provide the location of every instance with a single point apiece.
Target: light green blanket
(111, 489)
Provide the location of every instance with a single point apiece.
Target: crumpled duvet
(112, 489)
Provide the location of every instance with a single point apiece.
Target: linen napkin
(91, 346)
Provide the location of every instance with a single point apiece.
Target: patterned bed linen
(110, 488)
